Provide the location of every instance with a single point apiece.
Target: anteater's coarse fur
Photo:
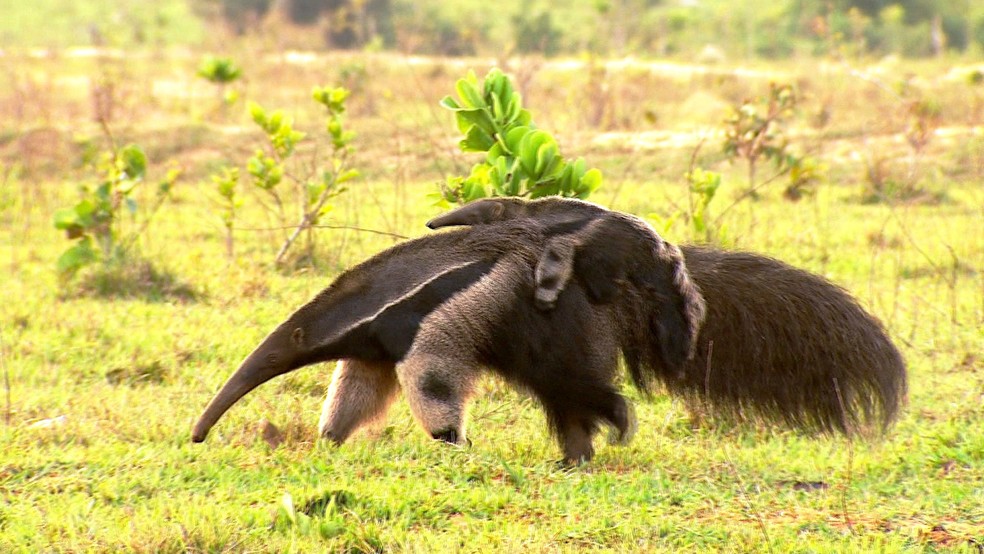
(740, 333)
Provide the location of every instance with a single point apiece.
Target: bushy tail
(787, 346)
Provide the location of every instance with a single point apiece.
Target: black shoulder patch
(397, 325)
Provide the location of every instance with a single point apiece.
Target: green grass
(128, 374)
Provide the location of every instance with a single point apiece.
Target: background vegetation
(869, 170)
(710, 29)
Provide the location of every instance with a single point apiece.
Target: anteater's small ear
(297, 337)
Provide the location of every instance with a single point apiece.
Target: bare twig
(690, 172)
(707, 371)
(954, 277)
(912, 241)
(109, 133)
(346, 227)
(309, 216)
(132, 239)
(850, 460)
(457, 157)
(747, 502)
(6, 378)
(888, 90)
(748, 192)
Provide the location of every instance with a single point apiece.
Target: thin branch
(869, 79)
(132, 238)
(912, 241)
(690, 173)
(6, 377)
(850, 459)
(109, 134)
(345, 227)
(280, 205)
(743, 495)
(707, 372)
(748, 192)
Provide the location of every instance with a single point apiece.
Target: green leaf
(334, 127)
(103, 193)
(497, 112)
(66, 218)
(227, 189)
(314, 190)
(266, 172)
(219, 70)
(589, 183)
(480, 118)
(519, 160)
(512, 108)
(174, 173)
(548, 188)
(344, 139)
(337, 97)
(472, 189)
(125, 186)
(476, 140)
(547, 160)
(258, 114)
(347, 176)
(133, 161)
(578, 168)
(495, 82)
(498, 174)
(663, 225)
(86, 211)
(76, 257)
(515, 137)
(529, 146)
(469, 95)
(495, 152)
(439, 199)
(449, 103)
(276, 122)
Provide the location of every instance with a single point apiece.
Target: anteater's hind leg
(575, 433)
(437, 388)
(360, 392)
(577, 408)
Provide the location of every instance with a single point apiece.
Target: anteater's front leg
(437, 388)
(360, 392)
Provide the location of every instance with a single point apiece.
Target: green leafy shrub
(520, 160)
(96, 223)
(753, 133)
(221, 72)
(226, 182)
(756, 131)
(310, 184)
(702, 187)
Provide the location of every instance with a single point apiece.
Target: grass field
(104, 375)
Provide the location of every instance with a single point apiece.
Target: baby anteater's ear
(553, 271)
